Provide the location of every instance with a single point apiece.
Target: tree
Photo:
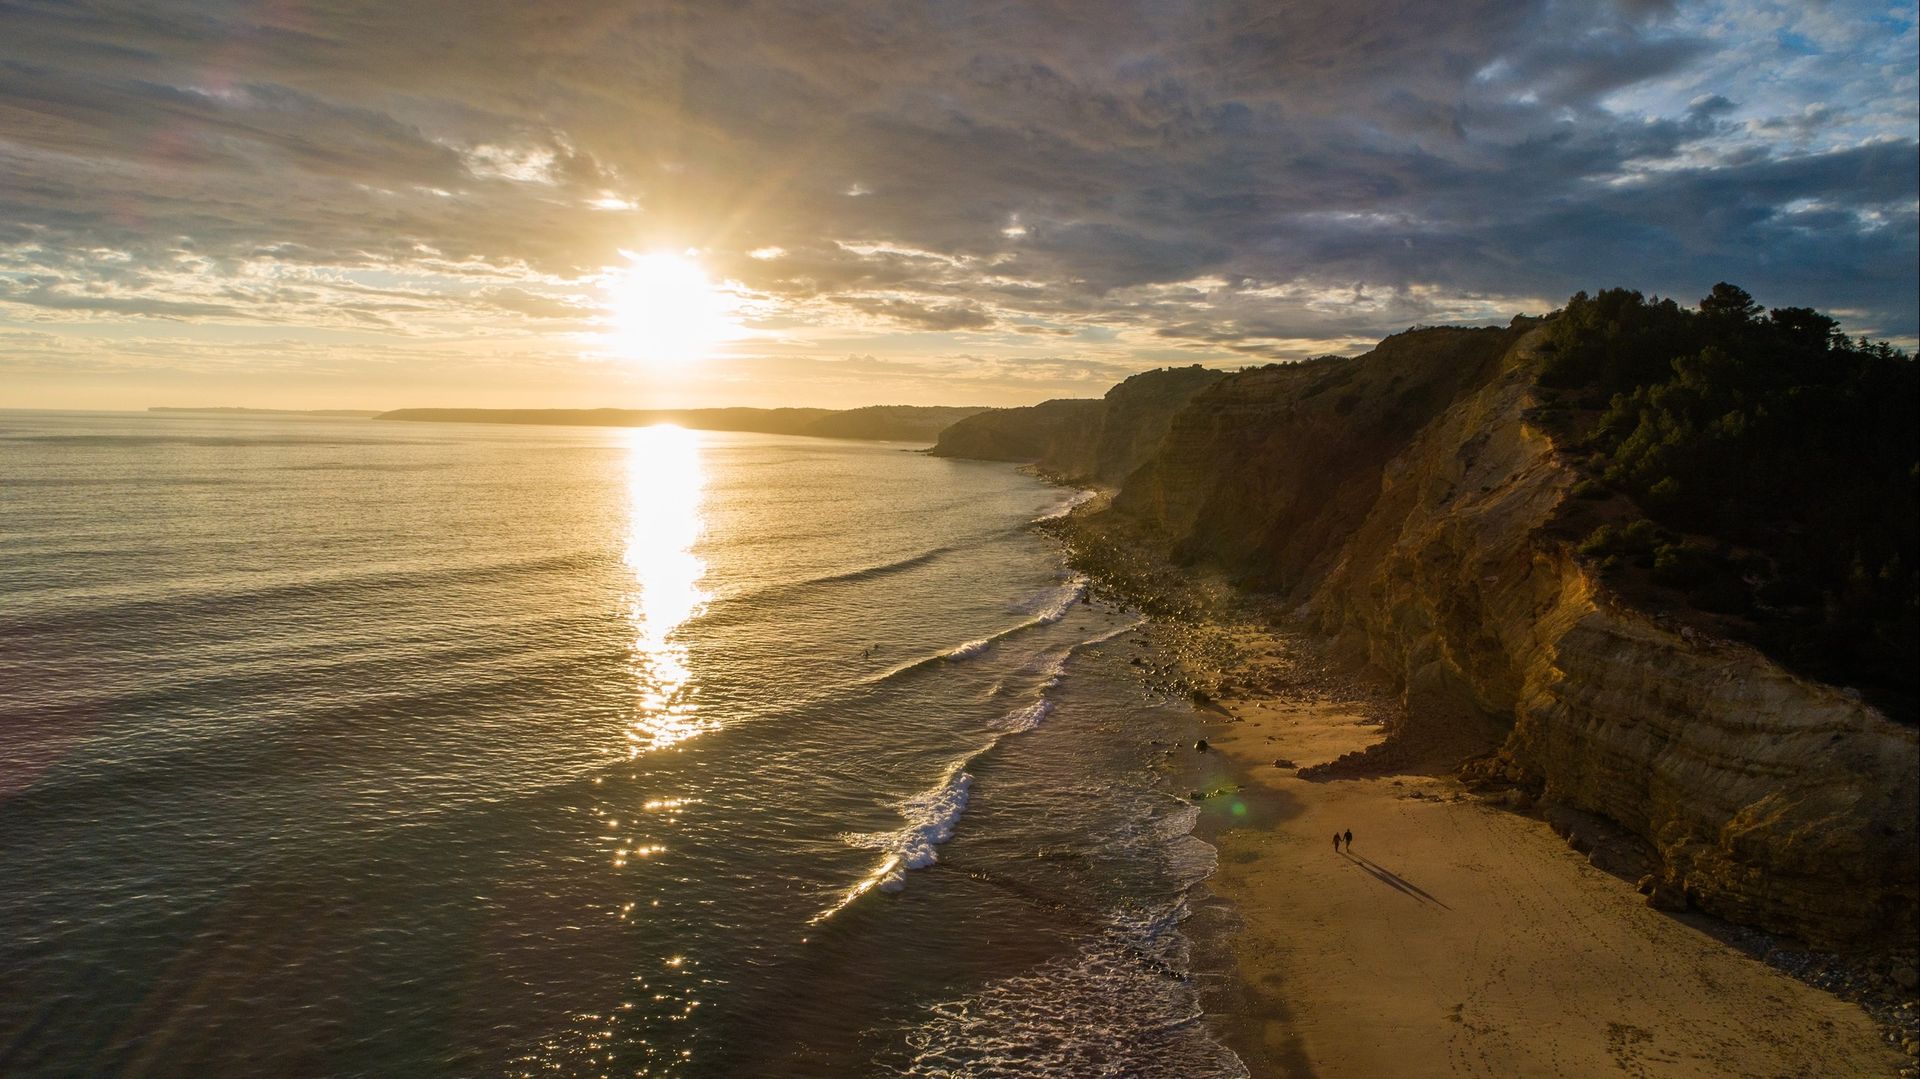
(1779, 457)
(1730, 302)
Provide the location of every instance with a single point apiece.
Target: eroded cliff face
(1405, 501)
(1266, 473)
(1771, 800)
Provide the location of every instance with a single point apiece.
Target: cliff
(1091, 441)
(1057, 434)
(1771, 800)
(893, 423)
(1267, 472)
(1407, 503)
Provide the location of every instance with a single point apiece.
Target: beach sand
(1458, 938)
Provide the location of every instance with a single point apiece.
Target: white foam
(1058, 602)
(1066, 506)
(1179, 822)
(970, 648)
(1025, 718)
(1049, 608)
(1124, 1004)
(931, 817)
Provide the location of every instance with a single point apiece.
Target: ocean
(344, 747)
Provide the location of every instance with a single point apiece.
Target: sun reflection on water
(665, 486)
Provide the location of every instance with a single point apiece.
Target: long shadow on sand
(1394, 880)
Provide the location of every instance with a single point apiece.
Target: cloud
(1022, 175)
(949, 317)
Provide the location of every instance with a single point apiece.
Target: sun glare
(663, 311)
(665, 484)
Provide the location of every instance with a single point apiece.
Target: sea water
(347, 747)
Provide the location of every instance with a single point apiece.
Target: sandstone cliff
(1407, 504)
(1092, 441)
(1770, 799)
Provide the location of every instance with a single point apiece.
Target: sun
(663, 311)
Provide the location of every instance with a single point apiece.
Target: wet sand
(1456, 938)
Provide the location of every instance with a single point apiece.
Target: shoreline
(1458, 937)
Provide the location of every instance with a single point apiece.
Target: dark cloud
(959, 316)
(1043, 167)
(151, 306)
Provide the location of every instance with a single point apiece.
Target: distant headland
(229, 410)
(901, 423)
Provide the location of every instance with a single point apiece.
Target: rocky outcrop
(1085, 441)
(1405, 502)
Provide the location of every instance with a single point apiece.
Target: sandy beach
(1457, 937)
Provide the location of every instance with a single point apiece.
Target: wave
(964, 650)
(852, 576)
(931, 817)
(1026, 718)
(224, 595)
(1032, 714)
(1125, 1002)
(1053, 604)
(727, 604)
(1067, 505)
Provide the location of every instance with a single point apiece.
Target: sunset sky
(383, 204)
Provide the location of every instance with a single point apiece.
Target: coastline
(1457, 937)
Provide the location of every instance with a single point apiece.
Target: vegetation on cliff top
(1769, 467)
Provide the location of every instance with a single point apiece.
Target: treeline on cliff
(1760, 465)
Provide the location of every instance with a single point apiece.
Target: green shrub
(1640, 538)
(1601, 541)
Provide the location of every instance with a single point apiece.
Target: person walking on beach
(1336, 842)
(1349, 841)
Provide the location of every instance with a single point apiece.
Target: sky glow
(305, 206)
